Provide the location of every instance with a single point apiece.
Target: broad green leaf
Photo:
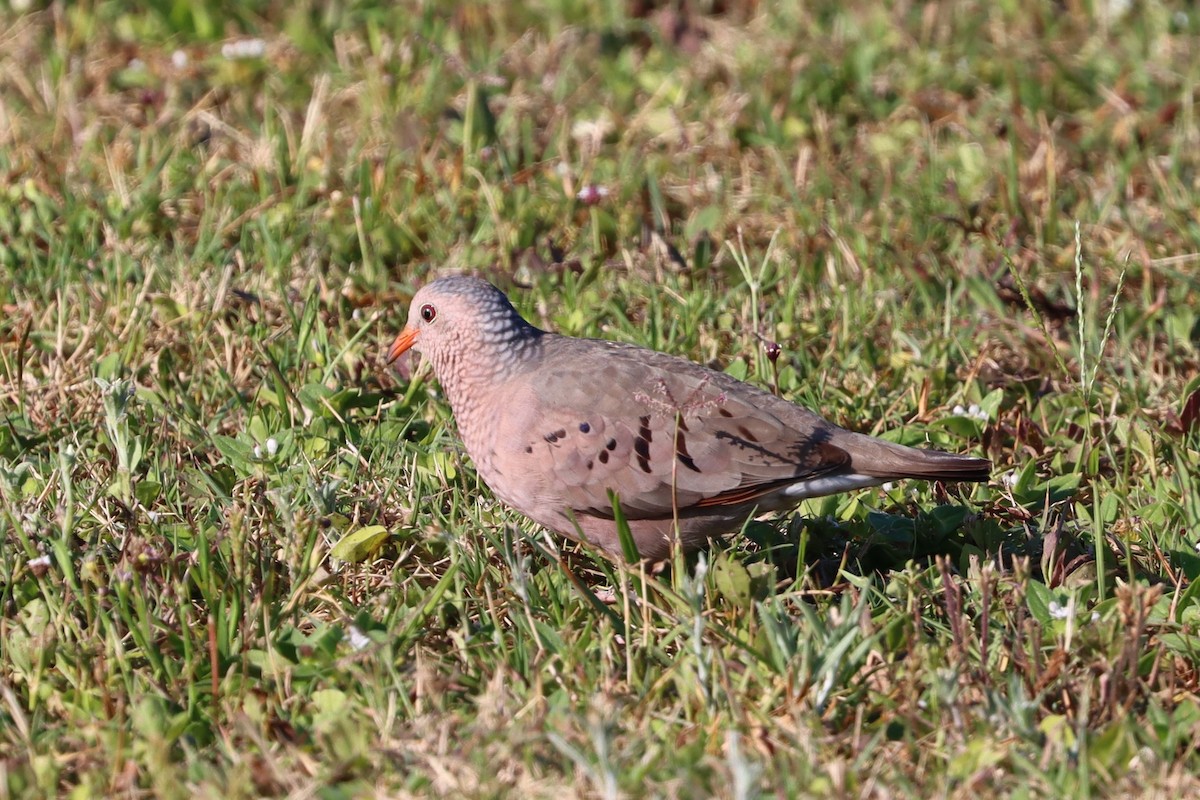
(361, 544)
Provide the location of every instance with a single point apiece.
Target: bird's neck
(474, 370)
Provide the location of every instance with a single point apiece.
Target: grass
(242, 558)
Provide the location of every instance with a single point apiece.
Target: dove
(561, 428)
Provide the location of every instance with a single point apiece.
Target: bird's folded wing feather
(666, 434)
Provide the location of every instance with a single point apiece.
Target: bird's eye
(428, 313)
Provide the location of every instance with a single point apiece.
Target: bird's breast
(491, 421)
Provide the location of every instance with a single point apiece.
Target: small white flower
(1009, 479)
(257, 451)
(244, 49)
(1058, 611)
(358, 639)
(152, 516)
(591, 194)
(40, 561)
(972, 411)
(888, 486)
(179, 59)
(272, 447)
(136, 64)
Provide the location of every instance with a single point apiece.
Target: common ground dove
(554, 424)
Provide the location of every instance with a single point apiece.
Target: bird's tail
(887, 460)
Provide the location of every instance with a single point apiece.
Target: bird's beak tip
(403, 342)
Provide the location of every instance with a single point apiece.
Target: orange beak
(404, 341)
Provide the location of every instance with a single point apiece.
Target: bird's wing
(664, 434)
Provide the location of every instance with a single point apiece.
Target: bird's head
(459, 314)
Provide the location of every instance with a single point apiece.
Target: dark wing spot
(561, 433)
(681, 451)
(641, 445)
(746, 434)
(528, 448)
(612, 444)
(551, 437)
(603, 456)
(724, 412)
(644, 428)
(589, 464)
(584, 427)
